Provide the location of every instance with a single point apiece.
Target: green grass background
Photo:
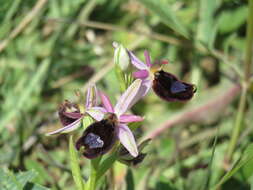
(50, 50)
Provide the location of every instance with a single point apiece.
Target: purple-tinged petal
(143, 90)
(147, 58)
(91, 96)
(136, 62)
(126, 138)
(96, 113)
(145, 87)
(71, 127)
(141, 74)
(125, 101)
(73, 115)
(130, 118)
(106, 102)
(68, 113)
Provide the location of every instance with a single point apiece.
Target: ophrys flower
(100, 136)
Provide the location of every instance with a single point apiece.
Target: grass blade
(76, 172)
(167, 16)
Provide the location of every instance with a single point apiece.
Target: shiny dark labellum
(98, 138)
(169, 88)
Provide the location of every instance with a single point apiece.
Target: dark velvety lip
(98, 138)
(170, 88)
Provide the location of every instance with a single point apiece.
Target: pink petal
(91, 96)
(96, 113)
(130, 118)
(126, 138)
(147, 58)
(136, 62)
(73, 115)
(145, 87)
(127, 98)
(141, 74)
(106, 102)
(71, 127)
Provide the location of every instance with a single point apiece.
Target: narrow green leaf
(239, 16)
(11, 181)
(209, 171)
(74, 163)
(34, 186)
(167, 16)
(24, 98)
(206, 20)
(245, 158)
(106, 164)
(42, 176)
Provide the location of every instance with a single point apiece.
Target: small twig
(99, 75)
(111, 27)
(201, 136)
(199, 113)
(26, 20)
(152, 35)
(66, 79)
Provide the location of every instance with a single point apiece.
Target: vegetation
(52, 50)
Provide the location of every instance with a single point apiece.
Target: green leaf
(106, 164)
(74, 163)
(167, 16)
(196, 180)
(24, 98)
(34, 186)
(238, 15)
(42, 176)
(246, 157)
(164, 184)
(130, 180)
(206, 30)
(11, 181)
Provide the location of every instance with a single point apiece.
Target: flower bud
(126, 158)
(121, 57)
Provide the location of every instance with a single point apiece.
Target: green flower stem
(247, 72)
(237, 126)
(93, 174)
(249, 44)
(106, 165)
(93, 179)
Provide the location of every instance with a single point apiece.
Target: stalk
(245, 84)
(92, 183)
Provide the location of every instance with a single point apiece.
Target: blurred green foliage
(50, 49)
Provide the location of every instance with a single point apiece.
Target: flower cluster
(110, 123)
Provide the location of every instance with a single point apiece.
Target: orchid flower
(71, 114)
(145, 71)
(99, 137)
(166, 85)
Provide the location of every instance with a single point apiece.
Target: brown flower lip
(170, 88)
(68, 113)
(98, 138)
